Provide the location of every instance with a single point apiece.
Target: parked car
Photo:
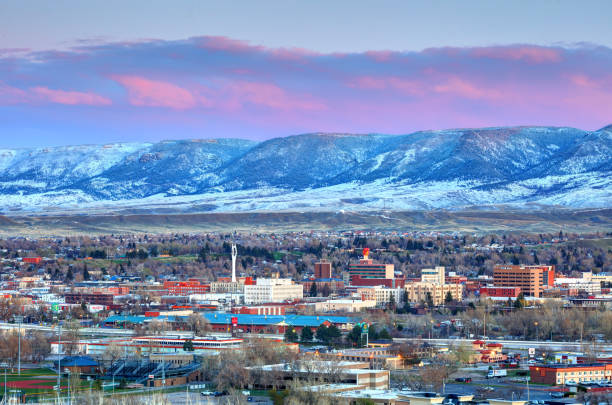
(464, 379)
(207, 393)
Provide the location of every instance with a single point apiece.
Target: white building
(343, 305)
(272, 290)
(434, 276)
(585, 283)
(382, 295)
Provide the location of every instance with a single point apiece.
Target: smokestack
(234, 254)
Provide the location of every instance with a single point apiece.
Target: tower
(234, 254)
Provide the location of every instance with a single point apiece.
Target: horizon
(255, 141)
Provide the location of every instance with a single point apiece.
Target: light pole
(19, 319)
(69, 398)
(4, 397)
(537, 334)
(59, 358)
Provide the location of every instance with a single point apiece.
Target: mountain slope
(428, 169)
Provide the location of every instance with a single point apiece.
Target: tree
(85, 273)
(188, 345)
(429, 300)
(449, 297)
(520, 301)
(354, 336)
(198, 324)
(313, 289)
(384, 334)
(307, 335)
(291, 335)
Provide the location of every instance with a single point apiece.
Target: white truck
(497, 373)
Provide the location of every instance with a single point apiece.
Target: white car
(207, 393)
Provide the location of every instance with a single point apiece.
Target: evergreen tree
(188, 345)
(354, 336)
(307, 335)
(313, 289)
(291, 335)
(69, 275)
(85, 273)
(429, 300)
(384, 334)
(449, 297)
(520, 301)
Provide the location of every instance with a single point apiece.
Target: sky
(75, 72)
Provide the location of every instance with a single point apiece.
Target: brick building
(560, 374)
(322, 269)
(95, 299)
(530, 279)
(186, 287)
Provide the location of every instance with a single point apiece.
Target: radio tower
(234, 254)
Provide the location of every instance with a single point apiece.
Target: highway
(86, 332)
(517, 344)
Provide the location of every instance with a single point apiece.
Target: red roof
(478, 342)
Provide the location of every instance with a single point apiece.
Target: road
(194, 398)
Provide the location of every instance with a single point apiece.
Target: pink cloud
(534, 54)
(12, 95)
(381, 83)
(226, 44)
(270, 96)
(466, 89)
(153, 93)
(380, 56)
(70, 97)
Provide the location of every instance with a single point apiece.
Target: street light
(59, 359)
(537, 334)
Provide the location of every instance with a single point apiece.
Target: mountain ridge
(447, 169)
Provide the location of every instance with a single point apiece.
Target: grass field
(38, 380)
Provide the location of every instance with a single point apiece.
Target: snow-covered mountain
(453, 169)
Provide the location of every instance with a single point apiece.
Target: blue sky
(108, 71)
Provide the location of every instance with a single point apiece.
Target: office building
(366, 268)
(530, 279)
(272, 290)
(322, 269)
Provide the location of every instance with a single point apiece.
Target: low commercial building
(559, 374)
(377, 358)
(344, 305)
(342, 372)
(500, 292)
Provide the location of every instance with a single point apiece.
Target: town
(317, 317)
